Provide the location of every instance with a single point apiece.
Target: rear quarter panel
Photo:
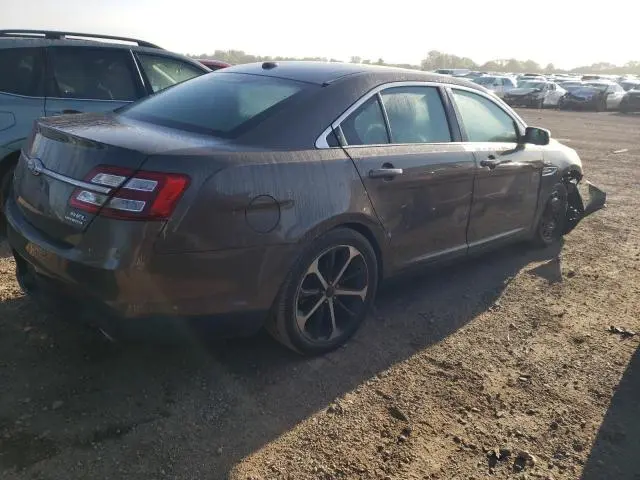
(263, 198)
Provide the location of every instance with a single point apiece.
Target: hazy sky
(568, 33)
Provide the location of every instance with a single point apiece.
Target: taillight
(135, 195)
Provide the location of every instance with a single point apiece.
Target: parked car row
(565, 91)
(273, 195)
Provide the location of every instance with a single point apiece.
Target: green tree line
(436, 59)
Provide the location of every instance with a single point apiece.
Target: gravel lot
(498, 367)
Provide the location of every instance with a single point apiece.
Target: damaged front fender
(576, 208)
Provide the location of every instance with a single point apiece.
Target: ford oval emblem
(35, 166)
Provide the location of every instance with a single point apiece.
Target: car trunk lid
(59, 159)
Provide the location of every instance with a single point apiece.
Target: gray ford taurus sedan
(278, 195)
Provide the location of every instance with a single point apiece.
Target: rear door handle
(385, 173)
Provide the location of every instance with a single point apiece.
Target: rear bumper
(227, 292)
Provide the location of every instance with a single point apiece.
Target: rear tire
(5, 185)
(551, 225)
(327, 294)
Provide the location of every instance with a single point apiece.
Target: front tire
(551, 225)
(327, 294)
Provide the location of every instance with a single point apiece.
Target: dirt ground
(500, 367)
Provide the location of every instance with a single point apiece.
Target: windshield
(530, 84)
(225, 104)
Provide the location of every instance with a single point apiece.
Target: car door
(21, 95)
(509, 84)
(162, 71)
(90, 79)
(419, 181)
(553, 96)
(507, 179)
(614, 95)
(498, 88)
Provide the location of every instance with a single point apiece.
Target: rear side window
(225, 104)
(365, 126)
(92, 74)
(22, 71)
(416, 115)
(163, 72)
(483, 120)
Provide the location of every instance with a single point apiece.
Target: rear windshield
(221, 104)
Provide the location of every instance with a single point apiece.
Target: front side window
(366, 125)
(416, 115)
(91, 73)
(163, 72)
(224, 105)
(22, 71)
(483, 120)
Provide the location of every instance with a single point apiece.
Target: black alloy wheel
(327, 295)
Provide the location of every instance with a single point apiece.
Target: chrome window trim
(321, 141)
(435, 144)
(2, 92)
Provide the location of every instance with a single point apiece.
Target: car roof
(12, 42)
(324, 73)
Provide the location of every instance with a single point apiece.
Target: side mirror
(536, 136)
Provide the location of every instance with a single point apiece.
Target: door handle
(65, 112)
(492, 162)
(385, 173)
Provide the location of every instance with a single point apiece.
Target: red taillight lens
(136, 195)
